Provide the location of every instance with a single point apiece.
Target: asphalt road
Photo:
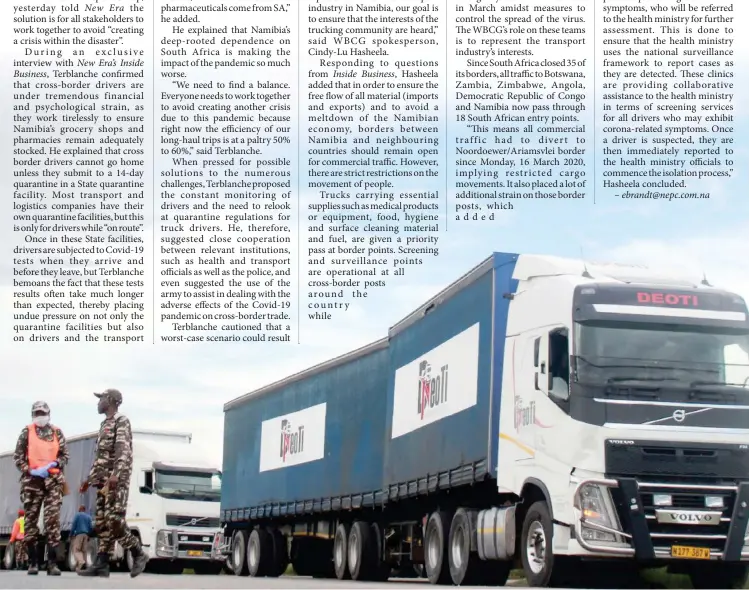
(15, 579)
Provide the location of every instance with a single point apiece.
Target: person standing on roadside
(110, 475)
(16, 540)
(80, 532)
(41, 455)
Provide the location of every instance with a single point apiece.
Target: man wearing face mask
(41, 455)
(110, 474)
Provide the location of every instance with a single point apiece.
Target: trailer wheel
(340, 552)
(435, 548)
(92, 550)
(70, 562)
(299, 560)
(381, 569)
(239, 554)
(260, 553)
(536, 546)
(361, 551)
(465, 568)
(9, 557)
(280, 553)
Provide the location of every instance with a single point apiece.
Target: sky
(183, 387)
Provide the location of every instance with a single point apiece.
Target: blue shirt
(82, 524)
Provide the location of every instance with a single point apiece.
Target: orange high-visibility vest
(42, 452)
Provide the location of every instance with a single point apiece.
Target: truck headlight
(599, 520)
(164, 539)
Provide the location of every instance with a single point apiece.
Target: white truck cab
(625, 407)
(174, 504)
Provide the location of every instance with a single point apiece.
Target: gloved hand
(41, 472)
(51, 465)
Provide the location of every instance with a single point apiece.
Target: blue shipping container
(316, 435)
(445, 382)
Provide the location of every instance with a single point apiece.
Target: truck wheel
(435, 548)
(340, 552)
(361, 551)
(725, 575)
(280, 553)
(10, 557)
(260, 553)
(465, 568)
(239, 554)
(381, 568)
(70, 561)
(299, 561)
(536, 546)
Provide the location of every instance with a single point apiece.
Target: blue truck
(537, 413)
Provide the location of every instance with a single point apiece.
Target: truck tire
(280, 553)
(300, 547)
(260, 558)
(362, 551)
(70, 562)
(719, 575)
(536, 546)
(239, 554)
(92, 550)
(340, 552)
(465, 567)
(436, 549)
(381, 571)
(9, 558)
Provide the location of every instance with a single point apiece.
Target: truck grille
(180, 520)
(684, 497)
(664, 535)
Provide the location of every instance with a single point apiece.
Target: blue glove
(51, 465)
(41, 472)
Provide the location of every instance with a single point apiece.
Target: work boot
(139, 560)
(100, 567)
(52, 569)
(33, 568)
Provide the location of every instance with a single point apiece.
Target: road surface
(16, 579)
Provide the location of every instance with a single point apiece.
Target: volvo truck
(545, 413)
(173, 504)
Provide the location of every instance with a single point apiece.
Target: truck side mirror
(146, 482)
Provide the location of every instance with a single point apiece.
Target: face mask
(41, 421)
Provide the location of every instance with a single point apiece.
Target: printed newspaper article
(207, 197)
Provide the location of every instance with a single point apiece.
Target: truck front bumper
(662, 520)
(188, 545)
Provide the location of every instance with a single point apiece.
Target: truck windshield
(620, 352)
(188, 485)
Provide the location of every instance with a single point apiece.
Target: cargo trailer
(538, 413)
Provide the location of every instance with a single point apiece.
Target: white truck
(173, 505)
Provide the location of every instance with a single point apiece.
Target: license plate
(690, 552)
(195, 554)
